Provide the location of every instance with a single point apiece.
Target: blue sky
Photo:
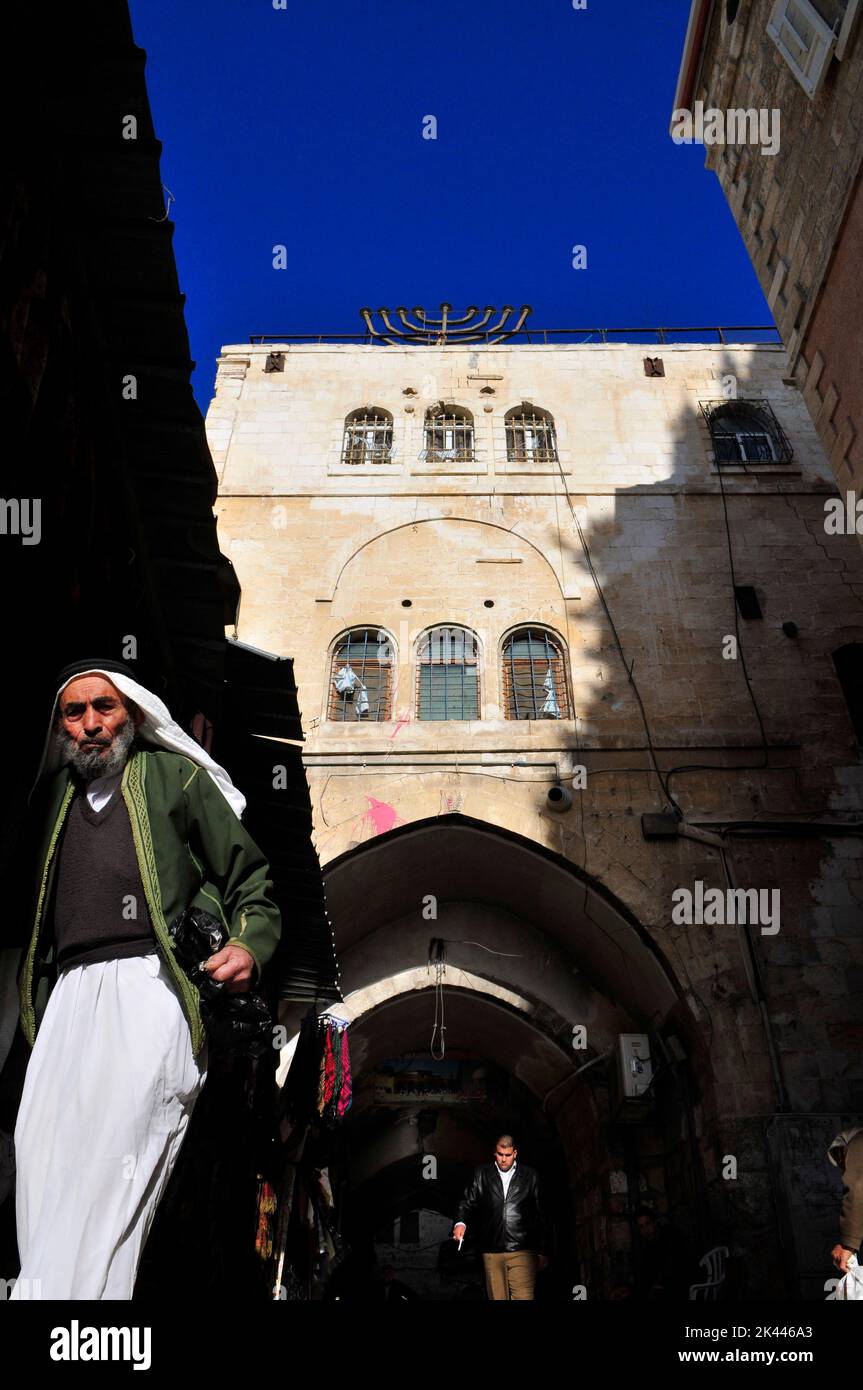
(303, 127)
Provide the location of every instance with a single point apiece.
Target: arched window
(448, 434)
(534, 676)
(530, 436)
(448, 674)
(848, 661)
(746, 432)
(361, 676)
(368, 436)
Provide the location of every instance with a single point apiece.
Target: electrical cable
(764, 742)
(511, 955)
(597, 585)
(440, 970)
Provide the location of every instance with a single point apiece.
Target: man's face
(505, 1157)
(646, 1226)
(96, 731)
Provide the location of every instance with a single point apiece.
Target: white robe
(109, 1091)
(108, 1094)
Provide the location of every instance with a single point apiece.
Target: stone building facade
(522, 557)
(799, 210)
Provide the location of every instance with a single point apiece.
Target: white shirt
(506, 1179)
(101, 789)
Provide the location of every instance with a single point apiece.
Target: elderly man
(504, 1197)
(130, 822)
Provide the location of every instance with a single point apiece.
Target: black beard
(90, 763)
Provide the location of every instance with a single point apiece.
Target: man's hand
(458, 1231)
(840, 1257)
(233, 966)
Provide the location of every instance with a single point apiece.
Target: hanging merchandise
(329, 1248)
(327, 1073)
(298, 1242)
(318, 1084)
(267, 1206)
(334, 1095)
(345, 1093)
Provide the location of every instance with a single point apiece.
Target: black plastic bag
(237, 1023)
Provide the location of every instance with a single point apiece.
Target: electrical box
(636, 1068)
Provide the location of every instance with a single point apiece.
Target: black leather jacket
(516, 1222)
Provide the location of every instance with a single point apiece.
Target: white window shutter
(803, 38)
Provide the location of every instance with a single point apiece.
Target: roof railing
(722, 334)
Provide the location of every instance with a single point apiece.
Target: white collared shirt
(101, 789)
(506, 1178)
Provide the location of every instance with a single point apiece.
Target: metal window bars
(530, 436)
(361, 677)
(534, 677)
(368, 437)
(745, 431)
(448, 436)
(448, 675)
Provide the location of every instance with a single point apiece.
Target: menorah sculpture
(446, 329)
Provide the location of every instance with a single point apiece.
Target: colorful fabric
(329, 1068)
(346, 1089)
(322, 1077)
(266, 1219)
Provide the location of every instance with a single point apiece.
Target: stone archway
(532, 949)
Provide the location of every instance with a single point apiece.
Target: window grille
(361, 676)
(745, 432)
(534, 676)
(448, 435)
(368, 437)
(448, 675)
(530, 436)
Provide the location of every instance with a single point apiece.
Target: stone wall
(320, 548)
(799, 210)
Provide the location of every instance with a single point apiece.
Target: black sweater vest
(100, 912)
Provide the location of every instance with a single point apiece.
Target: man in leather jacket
(505, 1200)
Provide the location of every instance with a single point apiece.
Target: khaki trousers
(510, 1274)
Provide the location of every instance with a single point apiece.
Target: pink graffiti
(402, 721)
(381, 816)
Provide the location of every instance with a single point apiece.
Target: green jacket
(192, 850)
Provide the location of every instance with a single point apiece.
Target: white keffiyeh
(158, 728)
